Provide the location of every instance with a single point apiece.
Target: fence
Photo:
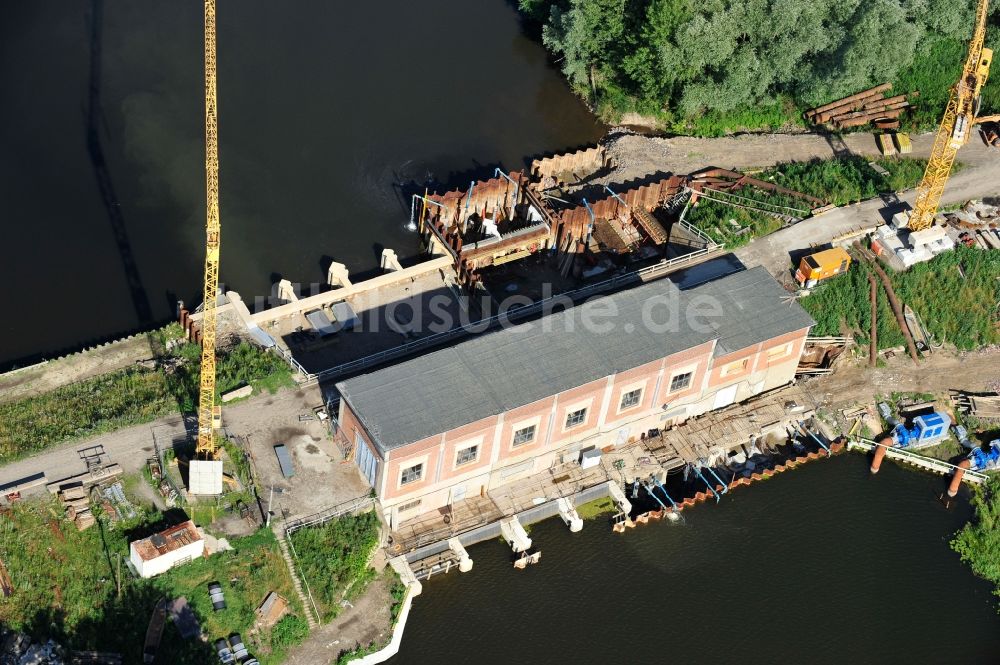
(355, 506)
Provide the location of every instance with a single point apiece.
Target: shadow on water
(140, 300)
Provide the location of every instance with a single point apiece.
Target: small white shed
(162, 551)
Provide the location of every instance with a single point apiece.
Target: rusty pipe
(880, 451)
(956, 480)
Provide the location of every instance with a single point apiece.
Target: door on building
(366, 460)
(726, 396)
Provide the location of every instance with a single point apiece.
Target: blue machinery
(664, 490)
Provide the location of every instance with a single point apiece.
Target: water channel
(823, 564)
(324, 108)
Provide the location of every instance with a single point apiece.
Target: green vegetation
(843, 181)
(955, 310)
(731, 226)
(333, 559)
(716, 67)
(978, 543)
(66, 586)
(837, 181)
(130, 396)
(596, 508)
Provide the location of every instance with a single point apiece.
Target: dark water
(323, 107)
(823, 564)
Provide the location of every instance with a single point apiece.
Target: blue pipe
(725, 487)
(664, 490)
(501, 173)
(468, 199)
(816, 439)
(650, 491)
(616, 196)
(709, 485)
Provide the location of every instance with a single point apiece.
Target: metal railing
(762, 206)
(353, 506)
(917, 459)
(641, 275)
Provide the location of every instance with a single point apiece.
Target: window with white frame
(524, 435)
(630, 399)
(575, 418)
(680, 381)
(411, 474)
(467, 455)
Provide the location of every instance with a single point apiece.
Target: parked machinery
(925, 431)
(817, 267)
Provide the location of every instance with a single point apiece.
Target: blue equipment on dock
(983, 460)
(927, 430)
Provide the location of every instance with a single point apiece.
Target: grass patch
(978, 543)
(843, 181)
(955, 310)
(596, 508)
(130, 396)
(334, 559)
(66, 586)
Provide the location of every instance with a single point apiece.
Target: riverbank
(776, 573)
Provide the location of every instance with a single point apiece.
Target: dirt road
(130, 447)
(854, 383)
(638, 156)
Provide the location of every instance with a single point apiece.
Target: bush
(289, 632)
(978, 543)
(334, 558)
(713, 68)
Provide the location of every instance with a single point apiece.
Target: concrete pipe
(956, 480)
(880, 453)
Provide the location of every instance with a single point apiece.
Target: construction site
(432, 396)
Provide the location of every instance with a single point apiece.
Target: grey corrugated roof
(498, 371)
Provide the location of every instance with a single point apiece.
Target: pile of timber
(870, 106)
(984, 407)
(77, 505)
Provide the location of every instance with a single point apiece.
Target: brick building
(501, 406)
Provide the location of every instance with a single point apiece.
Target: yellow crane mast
(956, 125)
(205, 467)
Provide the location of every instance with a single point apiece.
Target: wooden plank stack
(862, 108)
(77, 504)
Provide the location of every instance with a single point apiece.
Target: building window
(680, 381)
(735, 367)
(575, 418)
(779, 352)
(630, 399)
(524, 435)
(412, 474)
(467, 455)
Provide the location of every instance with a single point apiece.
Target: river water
(823, 564)
(324, 108)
